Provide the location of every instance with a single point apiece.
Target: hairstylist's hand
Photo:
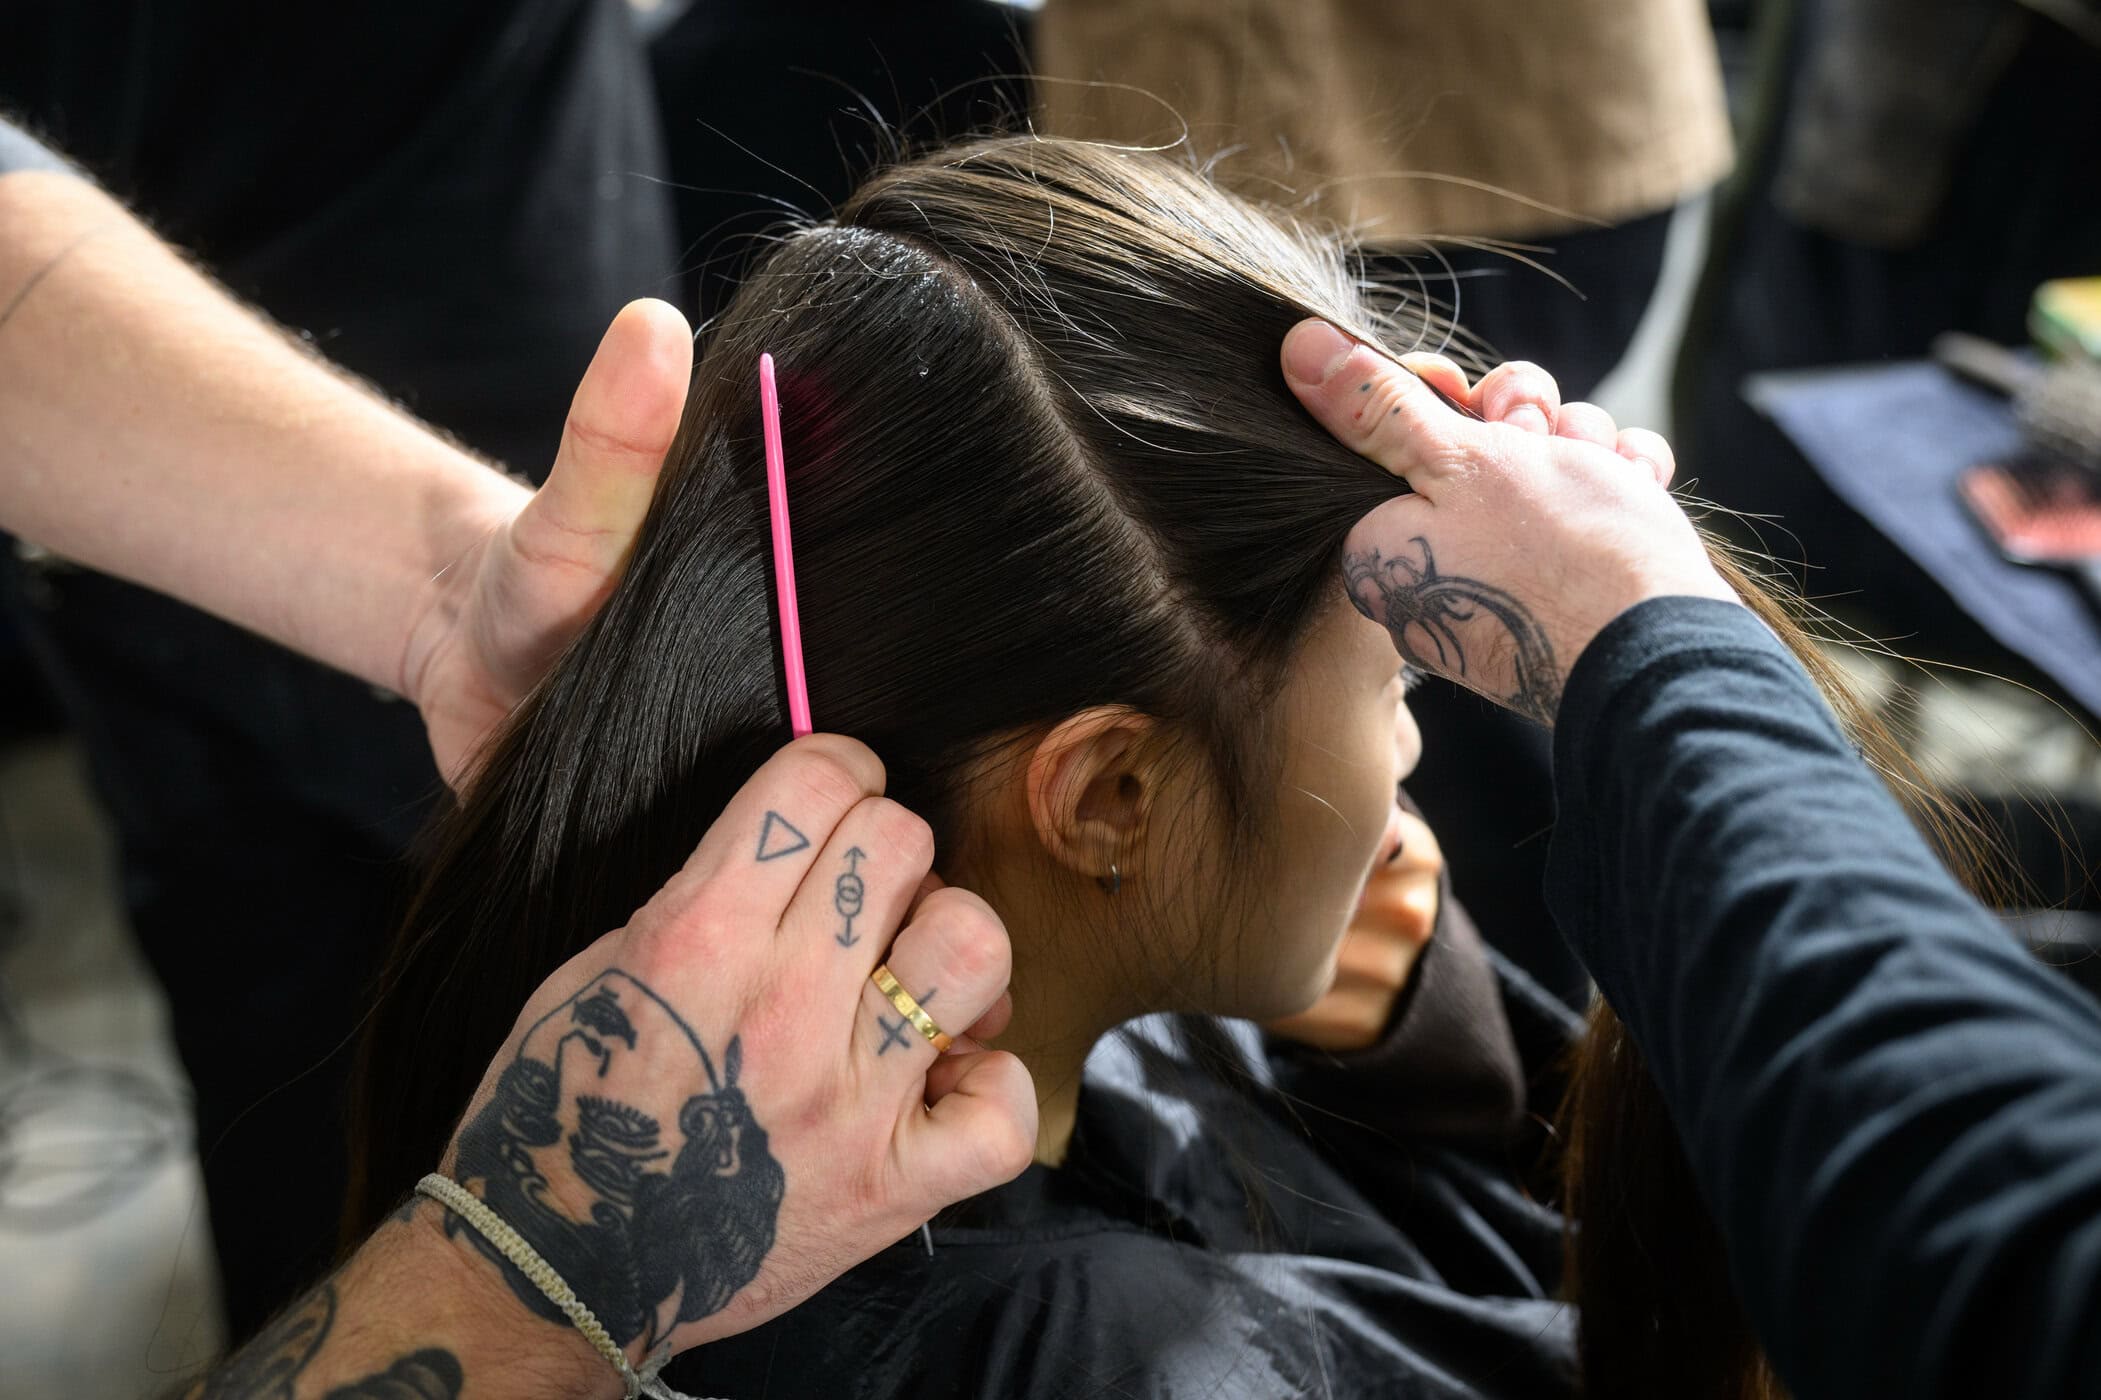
(1394, 920)
(708, 1115)
(699, 1121)
(1525, 534)
(498, 616)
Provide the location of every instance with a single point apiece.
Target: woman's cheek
(1407, 741)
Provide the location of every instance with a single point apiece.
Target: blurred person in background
(774, 112)
(1910, 167)
(451, 200)
(1518, 163)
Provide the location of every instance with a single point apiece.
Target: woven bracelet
(512, 1245)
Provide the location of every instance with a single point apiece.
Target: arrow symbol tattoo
(847, 893)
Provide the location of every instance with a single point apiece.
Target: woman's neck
(1060, 1011)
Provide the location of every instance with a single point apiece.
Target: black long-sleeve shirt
(1894, 1113)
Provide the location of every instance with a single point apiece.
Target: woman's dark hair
(1041, 458)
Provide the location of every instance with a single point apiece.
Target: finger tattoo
(848, 891)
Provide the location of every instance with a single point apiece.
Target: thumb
(1372, 405)
(621, 423)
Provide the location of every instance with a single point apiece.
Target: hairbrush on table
(2040, 511)
(2057, 402)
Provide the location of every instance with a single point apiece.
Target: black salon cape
(1392, 1251)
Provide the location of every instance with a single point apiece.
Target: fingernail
(1314, 350)
(1528, 417)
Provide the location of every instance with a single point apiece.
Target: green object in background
(2065, 318)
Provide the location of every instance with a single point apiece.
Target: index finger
(771, 832)
(1372, 405)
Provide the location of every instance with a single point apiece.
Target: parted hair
(1041, 458)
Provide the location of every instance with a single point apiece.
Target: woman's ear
(1091, 784)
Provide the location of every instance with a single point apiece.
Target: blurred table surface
(1889, 440)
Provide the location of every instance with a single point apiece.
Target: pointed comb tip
(783, 551)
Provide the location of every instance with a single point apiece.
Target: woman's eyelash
(1410, 678)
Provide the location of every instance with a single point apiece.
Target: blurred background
(1841, 251)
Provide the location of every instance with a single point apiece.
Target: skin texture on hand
(494, 619)
(1525, 533)
(702, 1118)
(1392, 926)
(708, 1115)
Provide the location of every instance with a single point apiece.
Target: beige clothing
(1594, 111)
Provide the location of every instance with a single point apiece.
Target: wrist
(437, 1261)
(474, 503)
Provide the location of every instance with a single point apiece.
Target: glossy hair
(1041, 458)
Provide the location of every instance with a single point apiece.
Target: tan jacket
(1396, 114)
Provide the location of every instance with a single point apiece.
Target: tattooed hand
(492, 621)
(1531, 525)
(701, 1119)
(696, 1122)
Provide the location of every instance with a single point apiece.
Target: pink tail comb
(783, 551)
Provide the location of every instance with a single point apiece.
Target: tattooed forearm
(430, 1374)
(847, 893)
(655, 1212)
(1423, 610)
(272, 1366)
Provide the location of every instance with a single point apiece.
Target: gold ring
(915, 1014)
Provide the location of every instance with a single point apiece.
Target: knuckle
(1001, 1147)
(684, 934)
(906, 833)
(1517, 382)
(836, 769)
(1530, 375)
(969, 938)
(1645, 443)
(780, 1019)
(1011, 1152)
